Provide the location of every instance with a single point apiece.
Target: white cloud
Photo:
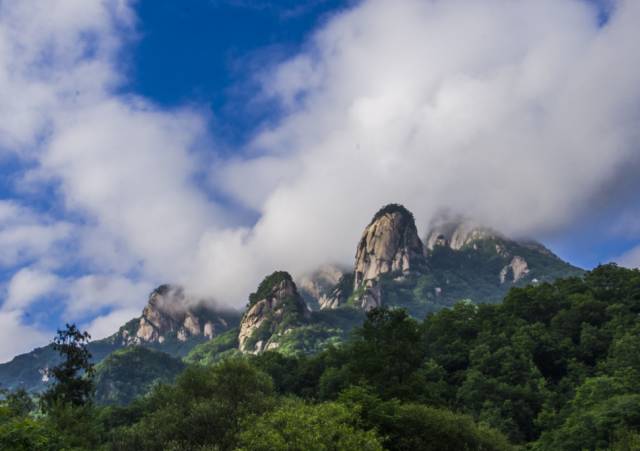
(89, 294)
(53, 55)
(128, 167)
(27, 286)
(16, 338)
(522, 114)
(26, 235)
(630, 259)
(106, 325)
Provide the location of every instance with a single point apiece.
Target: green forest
(554, 366)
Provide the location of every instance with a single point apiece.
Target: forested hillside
(553, 367)
(457, 260)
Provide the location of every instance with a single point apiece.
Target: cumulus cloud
(121, 173)
(26, 235)
(54, 60)
(52, 54)
(92, 293)
(521, 114)
(105, 325)
(27, 286)
(128, 167)
(16, 337)
(630, 259)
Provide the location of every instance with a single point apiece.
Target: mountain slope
(171, 322)
(458, 260)
(130, 372)
(275, 308)
(469, 261)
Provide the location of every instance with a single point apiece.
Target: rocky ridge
(317, 287)
(389, 244)
(339, 293)
(273, 310)
(461, 260)
(515, 270)
(169, 313)
(456, 233)
(461, 234)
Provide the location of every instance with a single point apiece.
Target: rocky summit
(461, 260)
(273, 310)
(316, 288)
(389, 244)
(456, 232)
(169, 313)
(171, 322)
(501, 259)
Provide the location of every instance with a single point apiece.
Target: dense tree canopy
(554, 367)
(73, 377)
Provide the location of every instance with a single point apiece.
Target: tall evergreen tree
(73, 377)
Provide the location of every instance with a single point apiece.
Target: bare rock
(339, 294)
(169, 312)
(389, 244)
(515, 270)
(456, 233)
(316, 288)
(273, 308)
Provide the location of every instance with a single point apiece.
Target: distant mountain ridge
(457, 260)
(170, 322)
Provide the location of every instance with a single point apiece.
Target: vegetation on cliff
(131, 372)
(553, 367)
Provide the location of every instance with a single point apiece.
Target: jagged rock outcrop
(339, 294)
(510, 260)
(317, 288)
(169, 313)
(273, 310)
(460, 261)
(456, 233)
(389, 244)
(515, 270)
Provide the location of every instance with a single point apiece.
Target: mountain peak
(272, 285)
(456, 232)
(170, 313)
(316, 287)
(389, 244)
(273, 308)
(394, 209)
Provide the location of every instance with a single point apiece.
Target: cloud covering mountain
(521, 114)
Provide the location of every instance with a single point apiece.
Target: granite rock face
(170, 313)
(515, 256)
(515, 270)
(317, 288)
(389, 244)
(456, 233)
(273, 309)
(339, 294)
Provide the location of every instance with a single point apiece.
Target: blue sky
(209, 142)
(225, 39)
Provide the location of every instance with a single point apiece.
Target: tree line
(553, 367)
